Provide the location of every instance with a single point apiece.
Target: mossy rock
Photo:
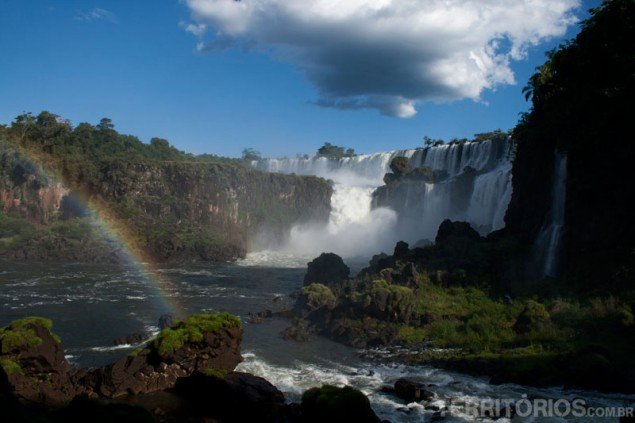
(318, 296)
(330, 403)
(192, 330)
(11, 367)
(217, 373)
(400, 165)
(20, 334)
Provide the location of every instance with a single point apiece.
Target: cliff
(175, 207)
(462, 180)
(581, 107)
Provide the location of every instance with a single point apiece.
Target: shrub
(533, 317)
(192, 330)
(11, 367)
(318, 295)
(20, 334)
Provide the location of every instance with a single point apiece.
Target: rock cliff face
(175, 210)
(581, 108)
(467, 181)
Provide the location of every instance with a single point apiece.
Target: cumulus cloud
(387, 55)
(95, 14)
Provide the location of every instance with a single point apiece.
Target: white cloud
(96, 14)
(387, 55)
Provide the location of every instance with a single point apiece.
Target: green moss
(410, 335)
(20, 334)
(192, 330)
(11, 367)
(319, 295)
(218, 373)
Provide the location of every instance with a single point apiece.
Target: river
(93, 304)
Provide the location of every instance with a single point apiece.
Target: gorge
(467, 272)
(468, 181)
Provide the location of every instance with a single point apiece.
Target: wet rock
(165, 321)
(333, 404)
(235, 397)
(400, 166)
(254, 319)
(298, 332)
(33, 364)
(326, 269)
(132, 339)
(411, 391)
(36, 370)
(449, 229)
(265, 314)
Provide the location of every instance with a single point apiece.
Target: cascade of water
(356, 228)
(547, 245)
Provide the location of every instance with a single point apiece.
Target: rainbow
(130, 250)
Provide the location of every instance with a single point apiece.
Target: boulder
(33, 363)
(407, 277)
(400, 166)
(336, 405)
(315, 297)
(165, 321)
(327, 269)
(132, 339)
(449, 229)
(233, 397)
(297, 332)
(401, 250)
(411, 391)
(265, 314)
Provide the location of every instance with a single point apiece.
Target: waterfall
(547, 245)
(476, 187)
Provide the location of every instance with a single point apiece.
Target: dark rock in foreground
(185, 374)
(132, 339)
(37, 371)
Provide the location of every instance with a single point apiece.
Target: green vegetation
(20, 334)
(170, 205)
(334, 151)
(217, 373)
(319, 295)
(10, 367)
(250, 154)
(192, 330)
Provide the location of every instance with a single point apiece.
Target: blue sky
(134, 62)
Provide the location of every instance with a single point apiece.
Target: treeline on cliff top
(173, 205)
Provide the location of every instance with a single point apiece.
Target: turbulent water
(356, 228)
(91, 305)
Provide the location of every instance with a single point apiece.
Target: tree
(105, 124)
(250, 154)
(22, 124)
(335, 151)
(431, 142)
